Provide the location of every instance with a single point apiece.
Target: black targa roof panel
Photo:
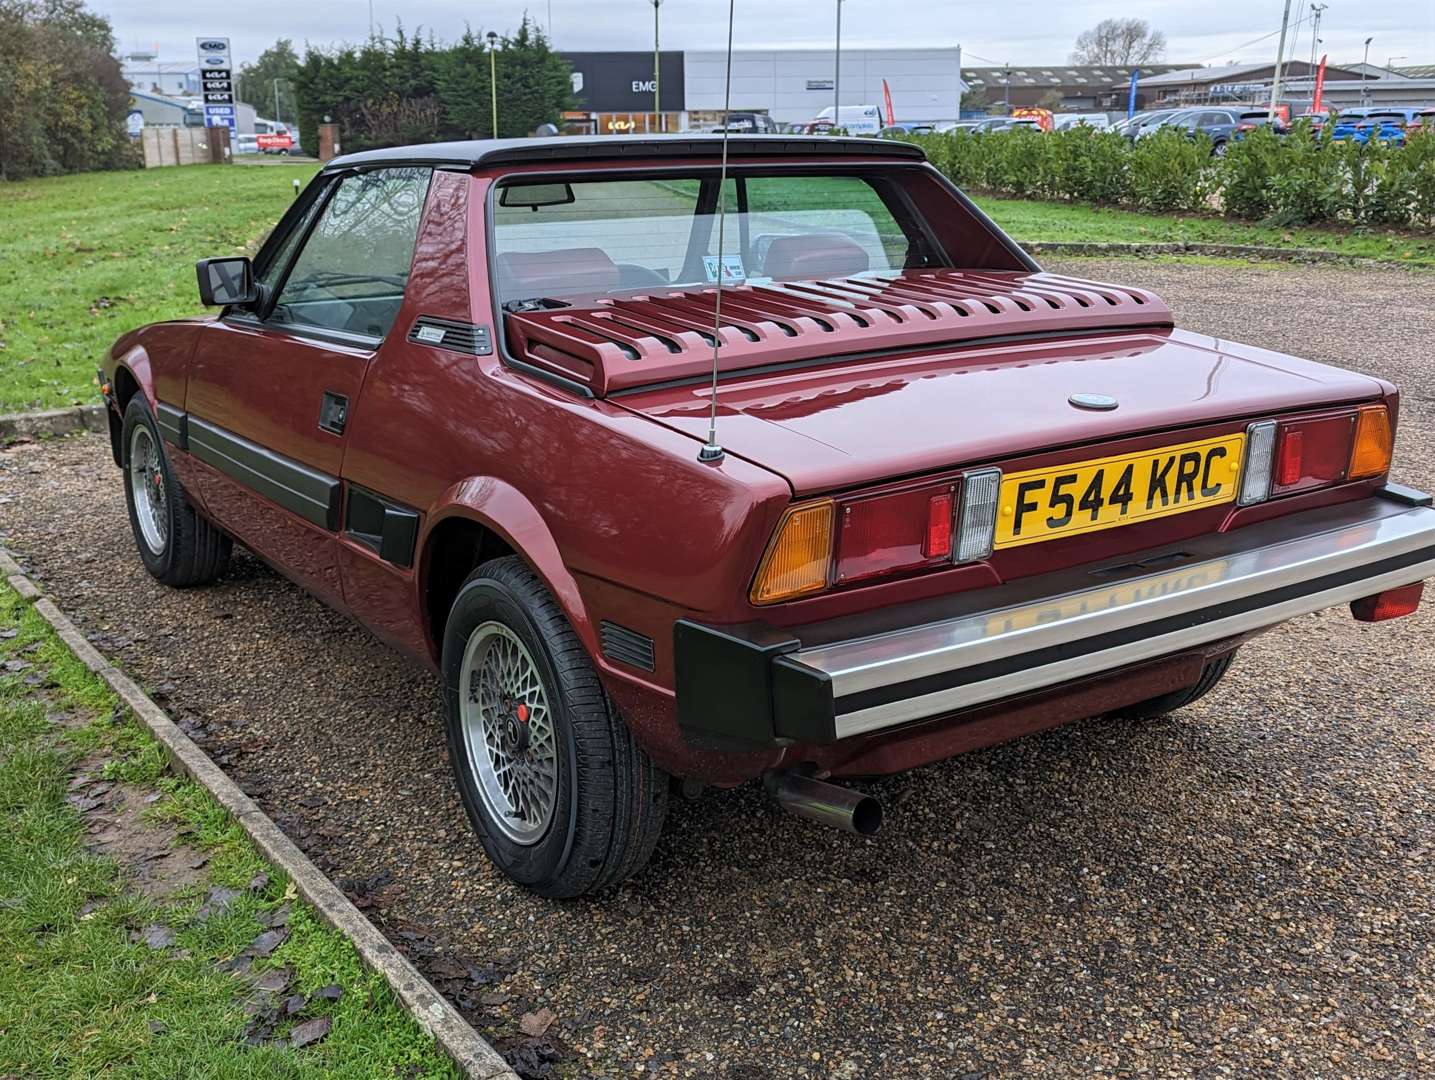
(616, 147)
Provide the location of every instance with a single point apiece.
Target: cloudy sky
(1037, 31)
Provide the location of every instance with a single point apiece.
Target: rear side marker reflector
(1260, 457)
(980, 491)
(1391, 604)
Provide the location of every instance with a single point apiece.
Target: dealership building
(615, 89)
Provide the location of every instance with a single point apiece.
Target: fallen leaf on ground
(536, 1023)
(267, 942)
(273, 981)
(310, 1031)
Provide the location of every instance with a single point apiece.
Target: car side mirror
(226, 281)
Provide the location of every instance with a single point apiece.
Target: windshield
(598, 236)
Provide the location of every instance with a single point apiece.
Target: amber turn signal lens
(1373, 443)
(797, 559)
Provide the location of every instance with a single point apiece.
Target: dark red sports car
(465, 393)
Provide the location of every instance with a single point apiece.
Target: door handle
(334, 412)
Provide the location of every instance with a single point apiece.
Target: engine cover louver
(448, 334)
(626, 646)
(612, 343)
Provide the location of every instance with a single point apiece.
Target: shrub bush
(1302, 178)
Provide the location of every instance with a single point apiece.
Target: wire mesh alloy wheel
(148, 488)
(508, 733)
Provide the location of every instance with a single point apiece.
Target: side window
(352, 271)
(274, 268)
(837, 210)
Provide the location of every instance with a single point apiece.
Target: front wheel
(561, 797)
(176, 545)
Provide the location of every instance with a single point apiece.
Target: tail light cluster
(1289, 456)
(850, 539)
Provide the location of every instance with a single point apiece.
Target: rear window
(596, 236)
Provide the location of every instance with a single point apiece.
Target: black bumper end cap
(1406, 496)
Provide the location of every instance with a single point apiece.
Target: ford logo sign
(214, 46)
(1099, 402)
(215, 61)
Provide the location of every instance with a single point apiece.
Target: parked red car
(464, 394)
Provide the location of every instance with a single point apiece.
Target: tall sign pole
(657, 102)
(1280, 60)
(837, 73)
(959, 82)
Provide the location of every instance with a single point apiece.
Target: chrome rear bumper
(825, 683)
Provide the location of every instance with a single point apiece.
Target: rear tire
(561, 797)
(177, 546)
(1179, 699)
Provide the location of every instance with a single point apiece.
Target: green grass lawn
(79, 996)
(84, 258)
(1034, 221)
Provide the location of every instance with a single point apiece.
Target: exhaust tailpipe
(824, 803)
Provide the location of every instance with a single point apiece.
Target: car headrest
(532, 273)
(813, 256)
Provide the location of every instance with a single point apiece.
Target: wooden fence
(184, 146)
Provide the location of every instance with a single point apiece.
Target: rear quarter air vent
(452, 335)
(626, 646)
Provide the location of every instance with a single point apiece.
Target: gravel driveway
(1247, 888)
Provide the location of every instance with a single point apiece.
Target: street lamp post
(837, 74)
(657, 101)
(1363, 66)
(493, 77)
(277, 117)
(1006, 88)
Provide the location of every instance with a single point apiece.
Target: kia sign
(218, 82)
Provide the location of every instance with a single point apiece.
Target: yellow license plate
(1088, 496)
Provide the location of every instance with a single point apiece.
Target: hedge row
(1302, 178)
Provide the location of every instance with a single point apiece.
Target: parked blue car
(1382, 125)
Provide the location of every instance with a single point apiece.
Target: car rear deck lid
(613, 343)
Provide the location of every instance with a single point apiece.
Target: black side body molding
(311, 494)
(173, 424)
(389, 530)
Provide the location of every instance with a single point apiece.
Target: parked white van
(856, 119)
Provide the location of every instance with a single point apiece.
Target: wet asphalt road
(1244, 888)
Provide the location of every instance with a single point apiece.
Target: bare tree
(1119, 42)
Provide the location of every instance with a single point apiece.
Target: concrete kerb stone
(469, 1051)
(36, 425)
(1255, 252)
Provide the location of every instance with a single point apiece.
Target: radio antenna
(711, 451)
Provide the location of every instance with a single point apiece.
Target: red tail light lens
(1391, 604)
(885, 534)
(1288, 463)
(939, 526)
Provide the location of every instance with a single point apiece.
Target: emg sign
(622, 82)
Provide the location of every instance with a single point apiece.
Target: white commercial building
(793, 85)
